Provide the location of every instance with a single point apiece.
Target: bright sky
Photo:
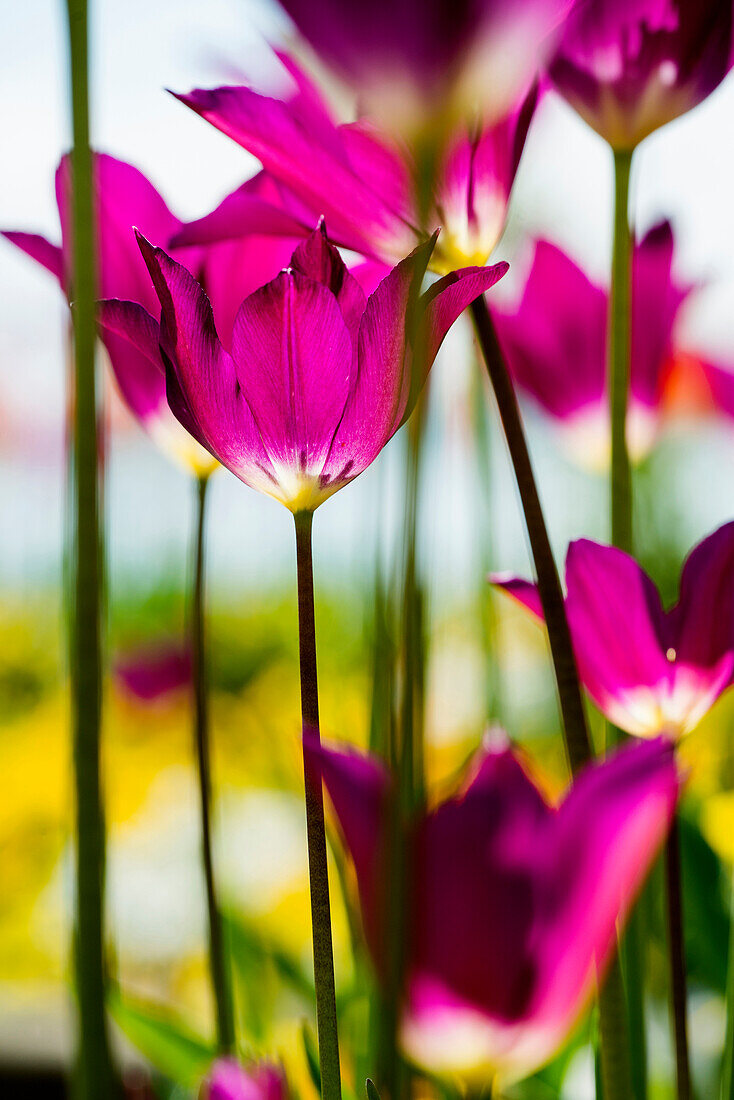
(139, 48)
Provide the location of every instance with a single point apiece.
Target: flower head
(229, 270)
(630, 66)
(361, 180)
(412, 63)
(318, 378)
(555, 343)
(229, 1080)
(650, 671)
(513, 903)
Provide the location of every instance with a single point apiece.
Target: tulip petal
(608, 833)
(206, 373)
(246, 211)
(49, 255)
(447, 299)
(293, 357)
(320, 261)
(359, 789)
(381, 390)
(620, 635)
(703, 620)
(525, 592)
(132, 339)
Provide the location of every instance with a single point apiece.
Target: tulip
(319, 377)
(650, 671)
(361, 180)
(555, 343)
(228, 1080)
(150, 674)
(414, 64)
(229, 271)
(630, 66)
(513, 902)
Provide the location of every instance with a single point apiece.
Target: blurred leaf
(372, 1093)
(168, 1046)
(705, 913)
(312, 1056)
(249, 945)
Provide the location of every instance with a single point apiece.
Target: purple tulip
(360, 180)
(319, 377)
(555, 343)
(229, 1080)
(414, 63)
(513, 903)
(229, 271)
(650, 671)
(630, 66)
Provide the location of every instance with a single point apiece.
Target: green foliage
(173, 1050)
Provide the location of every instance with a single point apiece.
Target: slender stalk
(616, 1072)
(727, 1069)
(96, 1075)
(676, 945)
(578, 744)
(619, 356)
(218, 967)
(323, 954)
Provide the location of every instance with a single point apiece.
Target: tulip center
(671, 654)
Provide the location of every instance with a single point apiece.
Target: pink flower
(229, 1080)
(319, 377)
(154, 672)
(630, 66)
(229, 271)
(413, 63)
(650, 671)
(555, 343)
(360, 180)
(513, 903)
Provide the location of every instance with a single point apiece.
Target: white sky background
(138, 48)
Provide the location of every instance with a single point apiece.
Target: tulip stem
(616, 1071)
(619, 350)
(578, 744)
(96, 1074)
(323, 953)
(676, 942)
(218, 969)
(727, 1069)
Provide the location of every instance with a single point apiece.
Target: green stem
(96, 1076)
(676, 945)
(616, 1071)
(323, 954)
(727, 1069)
(218, 969)
(578, 744)
(619, 356)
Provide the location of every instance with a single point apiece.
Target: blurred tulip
(513, 903)
(153, 673)
(319, 377)
(413, 64)
(361, 180)
(229, 271)
(630, 66)
(555, 343)
(650, 671)
(229, 1080)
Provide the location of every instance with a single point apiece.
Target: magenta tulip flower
(154, 672)
(229, 271)
(414, 63)
(630, 66)
(362, 181)
(555, 343)
(319, 377)
(229, 1080)
(650, 671)
(513, 903)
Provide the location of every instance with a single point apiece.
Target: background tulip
(650, 671)
(513, 903)
(630, 66)
(555, 342)
(229, 1080)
